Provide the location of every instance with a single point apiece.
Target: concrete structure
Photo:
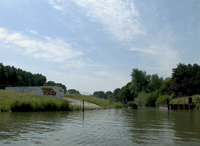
(40, 90)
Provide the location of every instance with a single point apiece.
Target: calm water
(110, 127)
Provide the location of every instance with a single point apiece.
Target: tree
(139, 82)
(186, 79)
(73, 91)
(108, 94)
(3, 77)
(125, 94)
(167, 87)
(155, 83)
(52, 83)
(99, 94)
(115, 95)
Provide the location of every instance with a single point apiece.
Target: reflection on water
(145, 126)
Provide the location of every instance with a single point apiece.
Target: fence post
(83, 105)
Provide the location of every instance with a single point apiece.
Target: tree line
(12, 77)
(149, 90)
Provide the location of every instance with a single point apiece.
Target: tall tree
(140, 80)
(125, 94)
(167, 87)
(73, 91)
(99, 94)
(108, 94)
(186, 79)
(3, 76)
(155, 83)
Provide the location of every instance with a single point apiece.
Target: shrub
(162, 99)
(140, 99)
(197, 101)
(151, 98)
(172, 96)
(118, 105)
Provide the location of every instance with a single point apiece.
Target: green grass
(11, 101)
(182, 100)
(100, 102)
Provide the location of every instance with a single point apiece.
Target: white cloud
(119, 17)
(143, 50)
(58, 7)
(102, 73)
(50, 49)
(33, 32)
(159, 57)
(74, 64)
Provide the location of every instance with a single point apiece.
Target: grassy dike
(11, 101)
(98, 101)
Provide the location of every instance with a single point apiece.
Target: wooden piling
(83, 105)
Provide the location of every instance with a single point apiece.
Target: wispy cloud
(102, 74)
(50, 49)
(118, 17)
(144, 50)
(74, 64)
(32, 31)
(159, 56)
(58, 7)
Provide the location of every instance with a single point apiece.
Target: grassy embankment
(154, 99)
(11, 101)
(184, 100)
(100, 102)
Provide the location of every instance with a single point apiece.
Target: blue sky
(93, 45)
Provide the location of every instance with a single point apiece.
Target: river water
(109, 127)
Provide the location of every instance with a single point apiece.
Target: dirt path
(80, 103)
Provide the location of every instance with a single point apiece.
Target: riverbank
(97, 101)
(79, 104)
(12, 101)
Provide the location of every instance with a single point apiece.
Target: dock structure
(168, 106)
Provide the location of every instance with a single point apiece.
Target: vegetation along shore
(143, 90)
(11, 101)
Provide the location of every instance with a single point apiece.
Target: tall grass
(11, 101)
(184, 100)
(100, 102)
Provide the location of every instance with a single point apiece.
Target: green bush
(11, 101)
(118, 105)
(151, 98)
(44, 105)
(162, 99)
(197, 101)
(172, 96)
(140, 100)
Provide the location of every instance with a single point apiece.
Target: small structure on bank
(40, 90)
(168, 106)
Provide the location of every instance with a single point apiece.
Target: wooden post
(83, 105)
(167, 100)
(190, 100)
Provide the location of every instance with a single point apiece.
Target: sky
(93, 45)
